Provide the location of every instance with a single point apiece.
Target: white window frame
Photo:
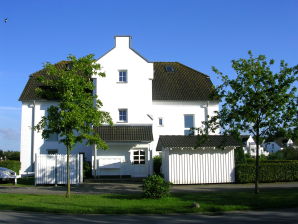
(119, 76)
(121, 120)
(188, 129)
(139, 160)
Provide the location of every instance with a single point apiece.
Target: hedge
(269, 172)
(11, 164)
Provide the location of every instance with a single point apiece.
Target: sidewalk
(130, 188)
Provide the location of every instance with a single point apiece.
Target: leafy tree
(78, 109)
(257, 101)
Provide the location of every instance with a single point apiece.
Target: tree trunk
(257, 164)
(68, 173)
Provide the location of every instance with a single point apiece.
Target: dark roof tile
(181, 84)
(174, 141)
(125, 133)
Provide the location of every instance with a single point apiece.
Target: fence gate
(51, 169)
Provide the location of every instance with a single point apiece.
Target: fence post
(35, 170)
(56, 167)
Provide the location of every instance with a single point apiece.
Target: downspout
(32, 136)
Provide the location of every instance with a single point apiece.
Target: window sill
(121, 121)
(121, 82)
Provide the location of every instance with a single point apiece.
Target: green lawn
(135, 204)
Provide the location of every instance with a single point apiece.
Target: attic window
(169, 68)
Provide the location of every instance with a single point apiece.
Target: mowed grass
(136, 204)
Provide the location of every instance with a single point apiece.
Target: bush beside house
(156, 187)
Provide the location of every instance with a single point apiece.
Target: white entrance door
(139, 163)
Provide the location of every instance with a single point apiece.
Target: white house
(250, 147)
(278, 144)
(145, 99)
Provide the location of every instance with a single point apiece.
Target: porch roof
(181, 141)
(125, 133)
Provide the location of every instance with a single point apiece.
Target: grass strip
(136, 204)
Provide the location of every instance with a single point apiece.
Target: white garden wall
(52, 169)
(198, 166)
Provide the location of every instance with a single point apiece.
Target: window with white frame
(122, 75)
(139, 156)
(188, 124)
(160, 121)
(122, 115)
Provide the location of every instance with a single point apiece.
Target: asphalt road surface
(287, 216)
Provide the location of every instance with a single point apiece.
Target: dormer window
(169, 69)
(122, 75)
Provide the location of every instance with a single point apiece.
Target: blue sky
(197, 33)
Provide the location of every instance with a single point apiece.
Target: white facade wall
(199, 166)
(136, 94)
(172, 113)
(40, 146)
(118, 160)
(251, 148)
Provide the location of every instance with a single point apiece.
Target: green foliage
(10, 155)
(157, 164)
(240, 156)
(11, 164)
(257, 100)
(279, 171)
(156, 187)
(78, 110)
(87, 169)
(289, 153)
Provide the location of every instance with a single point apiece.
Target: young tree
(257, 101)
(78, 109)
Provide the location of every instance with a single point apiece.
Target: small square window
(122, 76)
(123, 115)
(139, 157)
(160, 121)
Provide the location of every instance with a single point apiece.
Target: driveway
(289, 216)
(115, 187)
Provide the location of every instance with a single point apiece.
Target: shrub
(11, 164)
(156, 187)
(240, 156)
(156, 164)
(87, 171)
(276, 171)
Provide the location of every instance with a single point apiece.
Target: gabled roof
(181, 141)
(181, 84)
(125, 133)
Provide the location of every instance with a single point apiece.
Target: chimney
(122, 41)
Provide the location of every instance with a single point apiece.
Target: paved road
(99, 188)
(289, 216)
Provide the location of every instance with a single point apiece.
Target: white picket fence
(51, 169)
